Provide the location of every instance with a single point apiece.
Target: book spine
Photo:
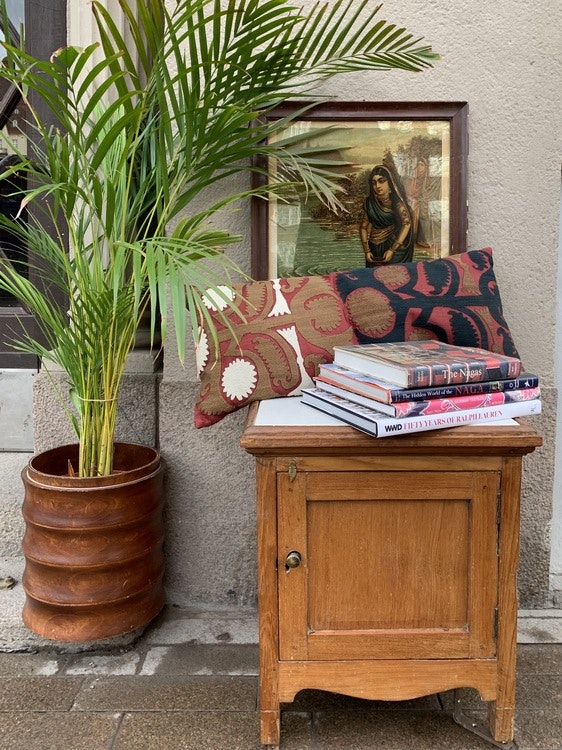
(389, 394)
(377, 425)
(345, 415)
(350, 384)
(464, 389)
(459, 418)
(423, 376)
(431, 406)
(357, 398)
(458, 403)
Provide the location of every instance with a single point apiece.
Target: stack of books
(397, 388)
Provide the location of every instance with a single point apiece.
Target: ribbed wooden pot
(94, 563)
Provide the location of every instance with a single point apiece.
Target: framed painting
(403, 170)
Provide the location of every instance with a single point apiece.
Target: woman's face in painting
(380, 185)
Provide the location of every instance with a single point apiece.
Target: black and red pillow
(454, 299)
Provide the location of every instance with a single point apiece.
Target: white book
(375, 423)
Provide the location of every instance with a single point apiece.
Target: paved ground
(190, 683)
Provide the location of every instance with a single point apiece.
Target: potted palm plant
(148, 119)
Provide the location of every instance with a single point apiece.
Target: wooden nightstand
(386, 567)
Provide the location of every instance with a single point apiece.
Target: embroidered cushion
(286, 328)
(454, 299)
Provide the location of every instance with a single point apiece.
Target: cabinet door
(392, 564)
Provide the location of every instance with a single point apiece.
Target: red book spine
(458, 403)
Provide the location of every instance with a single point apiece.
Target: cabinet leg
(498, 732)
(501, 720)
(270, 727)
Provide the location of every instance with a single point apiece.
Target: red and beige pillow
(286, 328)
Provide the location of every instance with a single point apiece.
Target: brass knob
(293, 560)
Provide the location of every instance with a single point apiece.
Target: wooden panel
(383, 485)
(388, 680)
(501, 711)
(483, 564)
(407, 462)
(388, 564)
(485, 440)
(416, 557)
(399, 643)
(292, 582)
(266, 513)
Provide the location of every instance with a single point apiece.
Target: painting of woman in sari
(386, 228)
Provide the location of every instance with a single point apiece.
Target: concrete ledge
(195, 625)
(539, 626)
(14, 636)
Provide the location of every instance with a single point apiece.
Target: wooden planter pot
(94, 563)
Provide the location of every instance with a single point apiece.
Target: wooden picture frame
(426, 146)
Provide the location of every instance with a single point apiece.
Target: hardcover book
(376, 424)
(389, 393)
(403, 409)
(420, 364)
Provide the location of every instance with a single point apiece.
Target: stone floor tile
(167, 693)
(185, 659)
(17, 665)
(38, 693)
(108, 664)
(296, 730)
(539, 730)
(468, 698)
(58, 731)
(391, 730)
(539, 691)
(182, 698)
(540, 658)
(534, 729)
(204, 730)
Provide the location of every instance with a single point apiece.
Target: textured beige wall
(504, 60)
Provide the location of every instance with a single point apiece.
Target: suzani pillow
(286, 328)
(454, 299)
